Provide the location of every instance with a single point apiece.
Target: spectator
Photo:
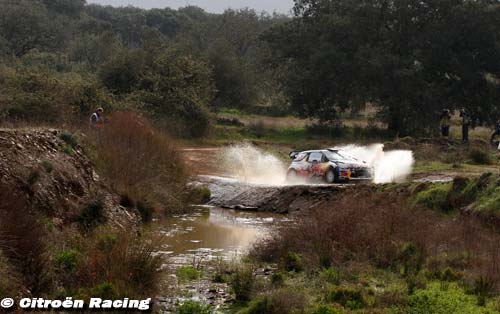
(445, 120)
(465, 125)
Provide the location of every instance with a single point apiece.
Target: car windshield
(339, 155)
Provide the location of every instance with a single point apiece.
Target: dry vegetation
(383, 232)
(140, 162)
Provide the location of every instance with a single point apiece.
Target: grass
(187, 273)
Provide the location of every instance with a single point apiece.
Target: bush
(242, 281)
(435, 197)
(33, 177)
(293, 262)
(435, 300)
(191, 307)
(141, 162)
(330, 275)
(281, 301)
(325, 309)
(47, 165)
(350, 297)
(199, 195)
(23, 250)
(146, 210)
(480, 156)
(187, 273)
(69, 139)
(91, 215)
(66, 260)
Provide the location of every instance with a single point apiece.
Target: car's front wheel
(331, 176)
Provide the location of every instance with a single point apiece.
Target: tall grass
(140, 161)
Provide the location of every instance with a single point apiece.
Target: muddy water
(202, 239)
(212, 232)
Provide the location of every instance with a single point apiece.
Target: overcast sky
(216, 6)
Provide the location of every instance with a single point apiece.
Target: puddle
(212, 232)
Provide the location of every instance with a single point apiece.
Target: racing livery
(332, 165)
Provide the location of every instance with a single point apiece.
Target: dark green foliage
(293, 262)
(435, 300)
(408, 58)
(66, 260)
(325, 309)
(47, 165)
(199, 195)
(187, 273)
(69, 139)
(480, 156)
(191, 307)
(434, 197)
(146, 210)
(350, 297)
(33, 177)
(106, 290)
(242, 281)
(91, 215)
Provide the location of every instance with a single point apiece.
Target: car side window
(301, 157)
(315, 157)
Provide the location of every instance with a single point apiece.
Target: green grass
(187, 273)
(434, 197)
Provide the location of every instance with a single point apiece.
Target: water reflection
(214, 232)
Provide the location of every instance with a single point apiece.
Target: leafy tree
(176, 92)
(67, 7)
(123, 71)
(26, 25)
(409, 57)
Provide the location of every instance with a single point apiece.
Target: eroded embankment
(230, 193)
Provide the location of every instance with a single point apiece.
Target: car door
(316, 161)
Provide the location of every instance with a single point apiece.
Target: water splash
(391, 166)
(252, 165)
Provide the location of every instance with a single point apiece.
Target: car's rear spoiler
(293, 155)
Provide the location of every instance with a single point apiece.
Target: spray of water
(391, 166)
(252, 165)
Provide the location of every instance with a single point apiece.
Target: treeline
(59, 59)
(410, 58)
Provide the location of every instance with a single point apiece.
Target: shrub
(480, 156)
(66, 260)
(122, 264)
(91, 215)
(141, 162)
(242, 281)
(325, 309)
(330, 275)
(33, 177)
(435, 300)
(350, 297)
(69, 139)
(435, 197)
(199, 195)
(293, 262)
(105, 290)
(281, 301)
(191, 307)
(187, 273)
(47, 165)
(146, 210)
(22, 243)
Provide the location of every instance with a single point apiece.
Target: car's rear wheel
(331, 176)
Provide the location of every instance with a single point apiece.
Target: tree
(26, 25)
(411, 58)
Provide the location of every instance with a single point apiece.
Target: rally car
(331, 165)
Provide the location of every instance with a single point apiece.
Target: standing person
(96, 121)
(445, 119)
(496, 132)
(465, 125)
